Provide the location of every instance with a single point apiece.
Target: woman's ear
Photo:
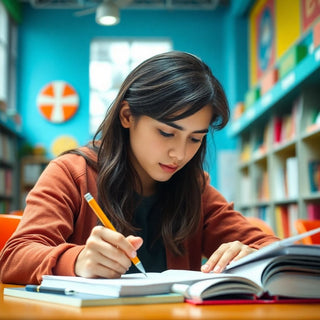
(125, 115)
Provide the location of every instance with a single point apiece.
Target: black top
(152, 253)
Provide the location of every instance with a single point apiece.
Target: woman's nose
(178, 152)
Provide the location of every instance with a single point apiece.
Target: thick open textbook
(282, 269)
(294, 272)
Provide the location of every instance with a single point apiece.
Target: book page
(252, 271)
(138, 279)
(210, 288)
(294, 284)
(272, 249)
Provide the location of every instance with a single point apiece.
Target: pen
(106, 222)
(35, 288)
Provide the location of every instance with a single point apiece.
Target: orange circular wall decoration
(58, 101)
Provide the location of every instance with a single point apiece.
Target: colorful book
(279, 222)
(251, 97)
(285, 221)
(293, 212)
(314, 175)
(291, 58)
(313, 211)
(277, 128)
(292, 177)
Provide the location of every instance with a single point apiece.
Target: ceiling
(130, 4)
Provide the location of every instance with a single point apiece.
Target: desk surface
(20, 309)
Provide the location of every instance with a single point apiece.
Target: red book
(277, 129)
(285, 221)
(313, 211)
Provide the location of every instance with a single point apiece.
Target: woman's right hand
(107, 254)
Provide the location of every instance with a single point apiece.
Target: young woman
(144, 166)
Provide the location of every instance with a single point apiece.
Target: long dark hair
(168, 86)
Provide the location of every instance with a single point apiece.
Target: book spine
(293, 215)
(314, 175)
(277, 130)
(292, 177)
(279, 222)
(313, 211)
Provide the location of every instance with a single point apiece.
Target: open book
(280, 269)
(293, 272)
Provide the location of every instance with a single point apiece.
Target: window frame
(8, 47)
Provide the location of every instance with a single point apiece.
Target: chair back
(17, 212)
(261, 224)
(306, 225)
(8, 224)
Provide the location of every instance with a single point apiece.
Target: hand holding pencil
(107, 253)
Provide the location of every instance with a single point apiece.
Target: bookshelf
(31, 168)
(278, 175)
(10, 137)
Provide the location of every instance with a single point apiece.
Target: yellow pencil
(106, 222)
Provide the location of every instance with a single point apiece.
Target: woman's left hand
(226, 253)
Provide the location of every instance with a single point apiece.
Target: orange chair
(261, 224)
(16, 212)
(306, 225)
(8, 224)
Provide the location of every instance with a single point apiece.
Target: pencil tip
(141, 268)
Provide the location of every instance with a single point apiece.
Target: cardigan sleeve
(54, 227)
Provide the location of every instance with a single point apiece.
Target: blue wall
(54, 45)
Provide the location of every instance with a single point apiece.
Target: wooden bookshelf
(279, 149)
(31, 169)
(10, 137)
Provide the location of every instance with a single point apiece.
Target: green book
(90, 300)
(252, 96)
(289, 61)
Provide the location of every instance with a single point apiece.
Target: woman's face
(158, 149)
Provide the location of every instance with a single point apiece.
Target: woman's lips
(168, 168)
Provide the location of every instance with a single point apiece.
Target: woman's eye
(196, 140)
(165, 134)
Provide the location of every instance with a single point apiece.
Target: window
(8, 57)
(110, 62)
(4, 39)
